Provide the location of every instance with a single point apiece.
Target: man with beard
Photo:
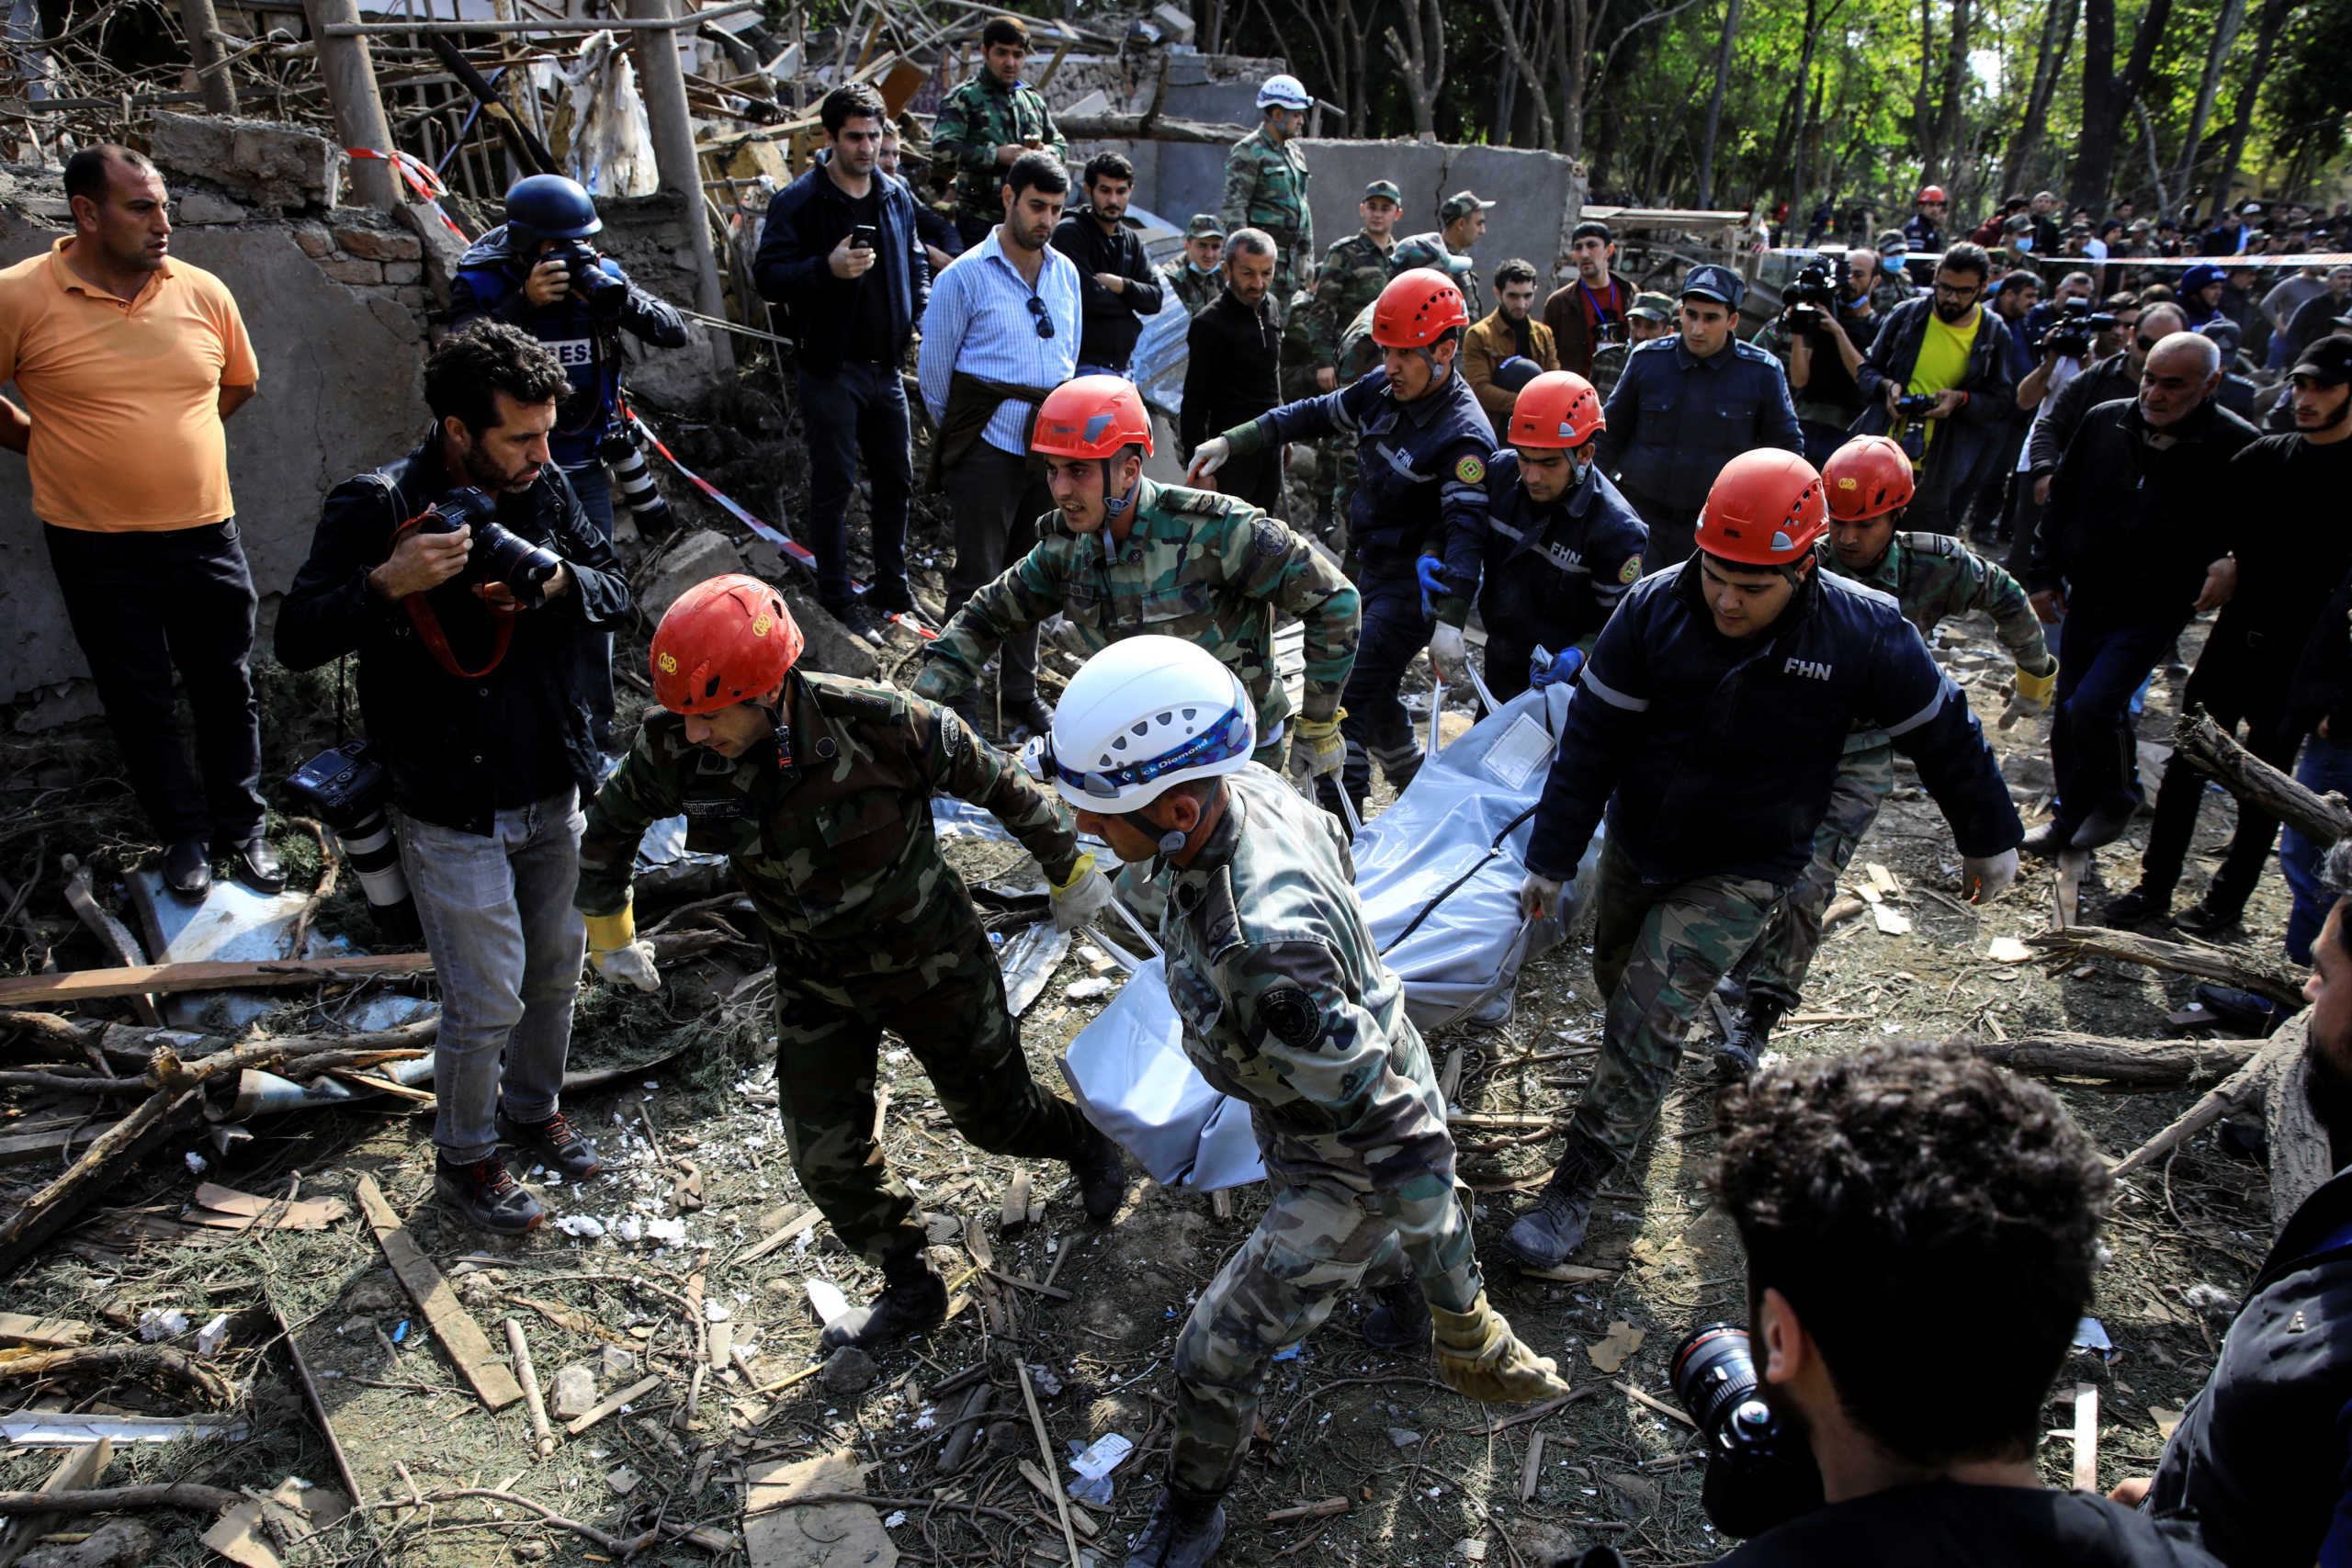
(1509, 333)
(1232, 369)
(1117, 284)
(1941, 367)
(2262, 1459)
(1590, 312)
(1909, 1195)
(476, 685)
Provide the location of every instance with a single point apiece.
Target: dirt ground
(1423, 1477)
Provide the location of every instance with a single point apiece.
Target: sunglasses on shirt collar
(1037, 312)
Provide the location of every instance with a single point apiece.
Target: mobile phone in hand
(861, 238)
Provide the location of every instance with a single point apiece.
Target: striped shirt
(979, 322)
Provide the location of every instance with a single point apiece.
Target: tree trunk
(1421, 57)
(1923, 119)
(1716, 104)
(1571, 47)
(2049, 61)
(1795, 149)
(1949, 118)
(2266, 29)
(1523, 51)
(2107, 95)
(2225, 37)
(2239, 966)
(2321, 818)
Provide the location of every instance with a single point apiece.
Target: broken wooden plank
(1045, 1445)
(1323, 1508)
(75, 1473)
(48, 1333)
(225, 1208)
(1085, 1521)
(171, 979)
(1016, 1200)
(459, 1335)
(782, 1236)
(159, 1118)
(2085, 1436)
(51, 1139)
(610, 1403)
(519, 1349)
(1530, 1470)
(1051, 1293)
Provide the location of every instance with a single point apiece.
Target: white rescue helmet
(1142, 716)
(1283, 92)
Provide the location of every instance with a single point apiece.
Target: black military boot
(1401, 1321)
(1101, 1171)
(2144, 903)
(914, 1298)
(1738, 1053)
(1544, 1235)
(1183, 1531)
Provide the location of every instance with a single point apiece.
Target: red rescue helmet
(725, 641)
(1764, 509)
(1418, 307)
(1866, 478)
(1559, 409)
(1093, 416)
(1932, 193)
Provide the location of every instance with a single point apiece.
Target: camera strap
(428, 624)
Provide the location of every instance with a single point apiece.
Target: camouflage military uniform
(1197, 291)
(1430, 250)
(1607, 364)
(869, 927)
(1265, 188)
(1207, 567)
(1931, 576)
(1349, 281)
(1287, 1007)
(976, 119)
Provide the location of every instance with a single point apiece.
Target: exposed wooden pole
(663, 82)
(204, 52)
(551, 26)
(350, 77)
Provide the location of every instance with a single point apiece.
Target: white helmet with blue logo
(1284, 91)
(1142, 716)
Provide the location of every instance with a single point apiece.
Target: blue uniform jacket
(1715, 758)
(490, 283)
(1554, 573)
(1675, 419)
(1422, 466)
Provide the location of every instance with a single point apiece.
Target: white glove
(629, 966)
(1083, 897)
(1539, 897)
(1984, 878)
(1209, 456)
(1449, 654)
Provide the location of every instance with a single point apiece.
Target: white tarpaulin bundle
(1439, 872)
(611, 151)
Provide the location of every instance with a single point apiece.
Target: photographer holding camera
(1826, 323)
(2069, 382)
(539, 271)
(1902, 1197)
(478, 597)
(1940, 365)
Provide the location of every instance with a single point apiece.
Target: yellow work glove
(2032, 694)
(1316, 749)
(1479, 1357)
(618, 954)
(1079, 901)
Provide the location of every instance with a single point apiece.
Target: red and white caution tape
(419, 178)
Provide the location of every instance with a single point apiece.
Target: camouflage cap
(1460, 204)
(1652, 307)
(1205, 226)
(1383, 189)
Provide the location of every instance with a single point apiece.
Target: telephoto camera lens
(345, 788)
(1759, 1474)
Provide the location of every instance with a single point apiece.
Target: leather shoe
(2206, 916)
(2138, 906)
(188, 870)
(254, 863)
(2046, 840)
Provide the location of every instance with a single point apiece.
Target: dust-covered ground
(1408, 1473)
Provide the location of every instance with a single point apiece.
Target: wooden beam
(2321, 818)
(2239, 966)
(166, 979)
(350, 79)
(452, 1325)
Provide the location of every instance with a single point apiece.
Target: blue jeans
(594, 489)
(856, 408)
(2326, 765)
(1393, 629)
(2102, 660)
(506, 946)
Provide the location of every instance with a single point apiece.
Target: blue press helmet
(549, 207)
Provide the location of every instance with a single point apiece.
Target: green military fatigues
(869, 927)
(1349, 282)
(1431, 251)
(977, 117)
(1198, 291)
(1207, 567)
(1931, 576)
(1287, 1007)
(1608, 365)
(1265, 188)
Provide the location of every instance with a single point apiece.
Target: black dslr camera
(605, 293)
(345, 788)
(500, 554)
(1818, 288)
(1760, 1474)
(2071, 333)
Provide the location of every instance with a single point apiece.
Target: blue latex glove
(1551, 669)
(1431, 570)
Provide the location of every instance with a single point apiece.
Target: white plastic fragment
(162, 1323)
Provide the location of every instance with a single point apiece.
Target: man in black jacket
(1232, 373)
(841, 252)
(1948, 348)
(482, 652)
(2262, 1459)
(2126, 554)
(1909, 1195)
(1117, 284)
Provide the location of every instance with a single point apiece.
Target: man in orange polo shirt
(129, 361)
